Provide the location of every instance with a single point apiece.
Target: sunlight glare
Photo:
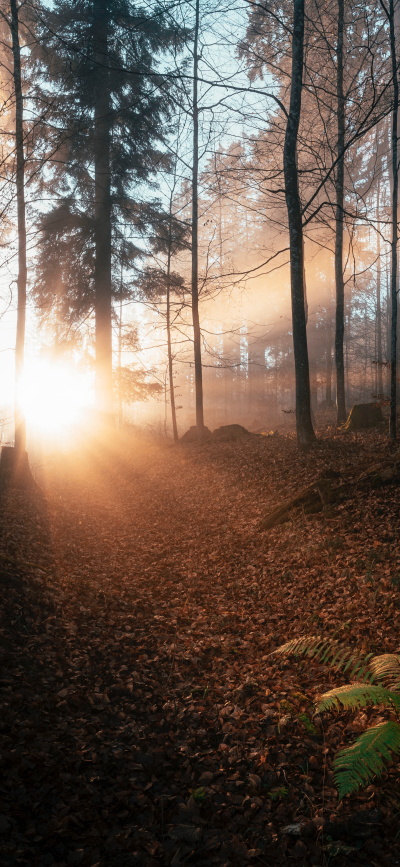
(54, 396)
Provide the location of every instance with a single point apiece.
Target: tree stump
(15, 469)
(364, 415)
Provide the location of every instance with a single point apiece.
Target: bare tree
(305, 431)
(395, 179)
(198, 372)
(339, 189)
(168, 324)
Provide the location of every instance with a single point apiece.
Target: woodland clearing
(143, 719)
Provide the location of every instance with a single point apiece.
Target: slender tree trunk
(348, 340)
(339, 184)
(120, 407)
(305, 431)
(328, 395)
(20, 425)
(379, 380)
(165, 404)
(198, 373)
(388, 318)
(395, 174)
(102, 272)
(170, 366)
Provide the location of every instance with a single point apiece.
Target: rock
(191, 435)
(364, 415)
(230, 433)
(292, 830)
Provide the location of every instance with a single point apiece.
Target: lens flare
(53, 396)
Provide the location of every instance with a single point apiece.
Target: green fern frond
(330, 652)
(356, 765)
(307, 644)
(386, 667)
(355, 695)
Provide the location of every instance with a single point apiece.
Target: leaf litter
(143, 720)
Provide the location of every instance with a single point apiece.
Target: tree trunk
(328, 392)
(20, 425)
(305, 431)
(379, 380)
(120, 403)
(102, 271)
(170, 366)
(339, 185)
(395, 174)
(388, 318)
(198, 373)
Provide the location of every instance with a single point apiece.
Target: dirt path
(142, 720)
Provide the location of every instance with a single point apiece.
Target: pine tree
(113, 110)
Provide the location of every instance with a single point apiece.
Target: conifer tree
(102, 58)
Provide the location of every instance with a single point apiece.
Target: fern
(330, 652)
(387, 667)
(356, 765)
(355, 695)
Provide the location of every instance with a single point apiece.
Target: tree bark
(339, 185)
(379, 380)
(102, 271)
(198, 373)
(395, 175)
(20, 424)
(120, 402)
(328, 392)
(305, 431)
(170, 365)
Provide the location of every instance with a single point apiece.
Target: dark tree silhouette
(305, 431)
(102, 57)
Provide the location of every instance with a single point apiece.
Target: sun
(54, 396)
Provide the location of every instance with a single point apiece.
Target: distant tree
(160, 281)
(132, 382)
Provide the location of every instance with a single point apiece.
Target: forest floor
(143, 720)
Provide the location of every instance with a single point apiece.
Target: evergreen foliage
(113, 115)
